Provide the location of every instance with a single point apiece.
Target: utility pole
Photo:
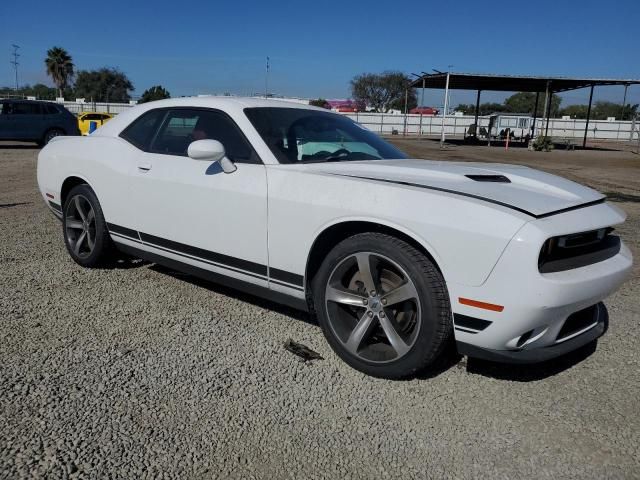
(15, 63)
(266, 80)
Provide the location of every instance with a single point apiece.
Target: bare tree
(383, 91)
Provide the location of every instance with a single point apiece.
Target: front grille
(567, 252)
(578, 321)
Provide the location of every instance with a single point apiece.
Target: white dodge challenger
(397, 257)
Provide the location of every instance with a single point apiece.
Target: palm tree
(59, 67)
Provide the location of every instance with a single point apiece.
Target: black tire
(432, 333)
(96, 249)
(49, 134)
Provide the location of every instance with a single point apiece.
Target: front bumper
(541, 354)
(537, 307)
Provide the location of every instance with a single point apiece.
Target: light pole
(446, 106)
(266, 79)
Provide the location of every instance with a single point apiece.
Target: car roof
(24, 100)
(224, 103)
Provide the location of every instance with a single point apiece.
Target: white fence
(432, 125)
(459, 125)
(114, 108)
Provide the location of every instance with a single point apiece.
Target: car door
(193, 212)
(27, 121)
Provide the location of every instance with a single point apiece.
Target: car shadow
(124, 262)
(528, 372)
(450, 358)
(238, 295)
(5, 146)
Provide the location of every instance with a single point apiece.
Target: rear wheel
(49, 135)
(85, 231)
(382, 305)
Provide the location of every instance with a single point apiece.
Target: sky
(317, 47)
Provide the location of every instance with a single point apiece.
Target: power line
(14, 62)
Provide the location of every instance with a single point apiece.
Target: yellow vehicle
(85, 119)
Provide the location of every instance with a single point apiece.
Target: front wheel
(85, 230)
(383, 306)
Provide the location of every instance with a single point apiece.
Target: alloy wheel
(373, 307)
(80, 226)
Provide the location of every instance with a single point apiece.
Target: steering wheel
(338, 153)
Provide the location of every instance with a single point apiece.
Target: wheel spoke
(79, 208)
(91, 215)
(390, 330)
(404, 292)
(73, 223)
(362, 329)
(90, 241)
(79, 241)
(366, 275)
(346, 297)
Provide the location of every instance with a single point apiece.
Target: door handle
(144, 167)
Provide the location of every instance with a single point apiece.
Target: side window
(50, 109)
(183, 126)
(26, 109)
(142, 129)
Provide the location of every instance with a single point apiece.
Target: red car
(424, 111)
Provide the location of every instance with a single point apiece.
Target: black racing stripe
(215, 257)
(286, 285)
(473, 323)
(575, 207)
(123, 231)
(479, 197)
(287, 277)
(55, 206)
(219, 265)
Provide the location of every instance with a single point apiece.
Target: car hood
(521, 188)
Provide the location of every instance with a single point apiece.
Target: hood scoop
(489, 178)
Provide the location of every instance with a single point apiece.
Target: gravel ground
(140, 372)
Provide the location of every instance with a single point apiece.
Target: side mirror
(210, 151)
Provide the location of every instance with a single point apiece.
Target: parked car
(397, 257)
(347, 109)
(424, 111)
(35, 121)
(85, 119)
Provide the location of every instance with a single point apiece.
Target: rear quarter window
(140, 132)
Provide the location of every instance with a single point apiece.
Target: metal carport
(515, 83)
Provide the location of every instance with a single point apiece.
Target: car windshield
(298, 135)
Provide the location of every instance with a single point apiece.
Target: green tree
(525, 102)
(103, 85)
(39, 90)
(603, 110)
(383, 91)
(320, 102)
(485, 108)
(59, 67)
(156, 92)
(574, 111)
